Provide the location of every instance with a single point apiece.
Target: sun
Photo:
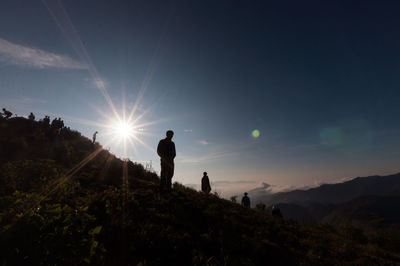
(123, 130)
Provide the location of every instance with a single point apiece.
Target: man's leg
(169, 181)
(163, 173)
(169, 176)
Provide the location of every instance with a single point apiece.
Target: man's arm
(173, 151)
(159, 149)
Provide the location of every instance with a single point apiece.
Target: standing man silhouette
(205, 183)
(167, 153)
(246, 200)
(31, 117)
(94, 137)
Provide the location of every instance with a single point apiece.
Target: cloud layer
(205, 158)
(15, 54)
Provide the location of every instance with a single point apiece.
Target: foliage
(261, 207)
(234, 199)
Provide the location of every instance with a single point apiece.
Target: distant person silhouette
(31, 117)
(60, 123)
(205, 183)
(54, 123)
(94, 136)
(57, 124)
(167, 153)
(6, 114)
(246, 200)
(46, 120)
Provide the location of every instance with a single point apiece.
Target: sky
(292, 94)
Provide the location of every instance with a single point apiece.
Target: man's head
(170, 134)
(205, 173)
(245, 193)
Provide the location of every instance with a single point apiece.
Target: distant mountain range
(335, 193)
(370, 205)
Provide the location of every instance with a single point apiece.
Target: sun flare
(123, 130)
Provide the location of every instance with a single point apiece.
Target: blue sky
(319, 81)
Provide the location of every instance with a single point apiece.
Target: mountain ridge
(338, 192)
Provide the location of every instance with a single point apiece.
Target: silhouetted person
(46, 120)
(167, 153)
(54, 123)
(205, 183)
(94, 136)
(60, 123)
(6, 114)
(57, 124)
(31, 117)
(246, 200)
(276, 211)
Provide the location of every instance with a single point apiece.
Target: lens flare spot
(255, 133)
(331, 136)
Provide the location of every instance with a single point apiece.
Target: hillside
(374, 209)
(312, 213)
(377, 216)
(66, 201)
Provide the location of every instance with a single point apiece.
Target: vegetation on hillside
(376, 217)
(65, 201)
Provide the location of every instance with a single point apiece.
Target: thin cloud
(203, 142)
(28, 101)
(218, 152)
(209, 157)
(97, 82)
(21, 105)
(225, 182)
(15, 54)
(267, 189)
